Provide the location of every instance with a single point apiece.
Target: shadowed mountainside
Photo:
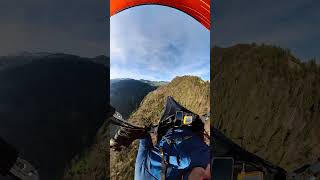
(51, 107)
(268, 102)
(127, 94)
(92, 162)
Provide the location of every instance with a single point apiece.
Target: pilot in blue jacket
(188, 157)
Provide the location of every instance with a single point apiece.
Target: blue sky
(292, 24)
(77, 27)
(158, 43)
(81, 27)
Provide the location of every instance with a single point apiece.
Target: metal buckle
(24, 170)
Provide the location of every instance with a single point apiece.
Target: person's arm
(200, 173)
(8, 157)
(145, 146)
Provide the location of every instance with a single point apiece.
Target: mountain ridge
(42, 101)
(27, 57)
(267, 101)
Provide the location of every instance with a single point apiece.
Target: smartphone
(179, 118)
(222, 168)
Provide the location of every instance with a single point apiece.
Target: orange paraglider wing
(198, 9)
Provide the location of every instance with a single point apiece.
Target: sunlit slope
(266, 100)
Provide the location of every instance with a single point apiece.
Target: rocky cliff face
(51, 107)
(92, 162)
(268, 102)
(191, 92)
(127, 94)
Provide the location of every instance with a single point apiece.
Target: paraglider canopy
(198, 9)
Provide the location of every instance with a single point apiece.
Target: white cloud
(155, 42)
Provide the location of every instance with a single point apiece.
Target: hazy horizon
(127, 78)
(288, 24)
(75, 27)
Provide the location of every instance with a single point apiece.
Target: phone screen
(222, 168)
(179, 115)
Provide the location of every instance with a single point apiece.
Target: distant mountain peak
(34, 54)
(154, 83)
(26, 57)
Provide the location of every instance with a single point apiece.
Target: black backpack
(166, 121)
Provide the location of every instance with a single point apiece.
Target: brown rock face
(268, 102)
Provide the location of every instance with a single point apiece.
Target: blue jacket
(188, 152)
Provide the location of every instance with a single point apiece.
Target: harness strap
(165, 161)
(117, 120)
(164, 165)
(168, 158)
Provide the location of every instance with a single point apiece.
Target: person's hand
(114, 145)
(125, 136)
(200, 173)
